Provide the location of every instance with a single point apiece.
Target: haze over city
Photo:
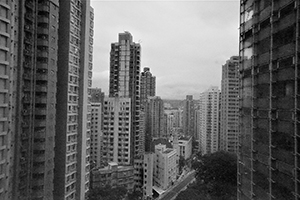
(185, 43)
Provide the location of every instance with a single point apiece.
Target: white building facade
(165, 166)
(229, 119)
(185, 147)
(116, 130)
(209, 120)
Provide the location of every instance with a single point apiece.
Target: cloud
(184, 43)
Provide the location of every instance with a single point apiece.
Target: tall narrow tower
(188, 116)
(125, 82)
(148, 84)
(209, 121)
(229, 130)
(72, 149)
(154, 113)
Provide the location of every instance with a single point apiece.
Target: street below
(168, 195)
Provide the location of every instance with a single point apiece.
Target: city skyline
(208, 36)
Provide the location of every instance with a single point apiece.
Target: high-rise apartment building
(148, 84)
(125, 82)
(96, 135)
(8, 64)
(197, 123)
(178, 113)
(268, 165)
(188, 116)
(116, 138)
(154, 110)
(169, 123)
(229, 113)
(33, 37)
(97, 96)
(209, 120)
(27, 97)
(72, 141)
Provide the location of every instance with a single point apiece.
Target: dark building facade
(28, 56)
(148, 84)
(188, 116)
(149, 106)
(154, 115)
(268, 166)
(97, 96)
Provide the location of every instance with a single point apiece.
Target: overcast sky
(185, 43)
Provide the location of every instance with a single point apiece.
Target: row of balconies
(43, 7)
(29, 16)
(29, 4)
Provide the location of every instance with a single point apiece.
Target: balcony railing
(42, 77)
(41, 88)
(43, 7)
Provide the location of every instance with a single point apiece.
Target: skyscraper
(154, 111)
(28, 88)
(148, 84)
(188, 116)
(229, 105)
(268, 165)
(209, 120)
(72, 141)
(32, 32)
(124, 82)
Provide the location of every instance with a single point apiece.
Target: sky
(184, 43)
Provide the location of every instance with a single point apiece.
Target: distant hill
(174, 102)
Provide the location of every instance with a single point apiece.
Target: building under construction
(269, 93)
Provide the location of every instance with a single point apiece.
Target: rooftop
(184, 138)
(168, 151)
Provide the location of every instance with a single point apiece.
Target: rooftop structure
(113, 175)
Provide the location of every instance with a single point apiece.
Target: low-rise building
(185, 147)
(113, 175)
(165, 166)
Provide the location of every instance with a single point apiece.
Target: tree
(216, 175)
(190, 194)
(135, 195)
(182, 163)
(107, 193)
